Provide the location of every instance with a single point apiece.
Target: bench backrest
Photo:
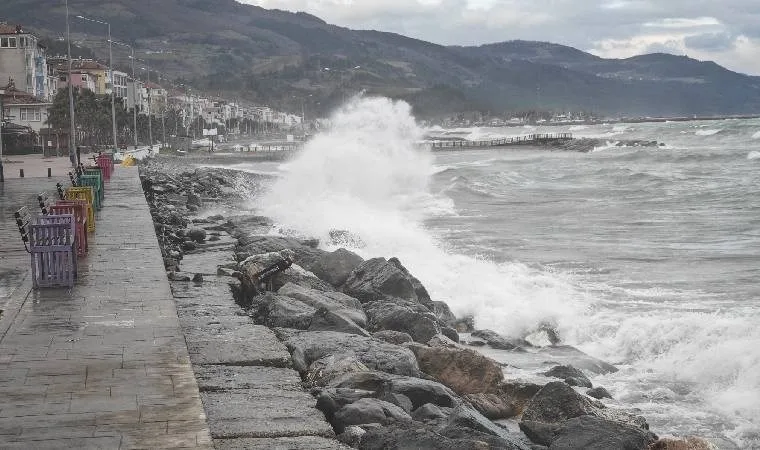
(23, 222)
(59, 188)
(80, 193)
(52, 231)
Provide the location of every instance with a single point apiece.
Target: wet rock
(491, 406)
(326, 320)
(571, 375)
(440, 340)
(598, 393)
(588, 432)
(301, 277)
(335, 267)
(557, 402)
(189, 246)
(368, 410)
(400, 400)
(352, 435)
(194, 199)
(329, 401)
(402, 315)
(498, 341)
(378, 278)
(325, 370)
(417, 390)
(428, 412)
(261, 244)
(443, 313)
(450, 333)
(307, 347)
(415, 438)
(569, 355)
(393, 337)
(198, 278)
(275, 310)
(464, 325)
(336, 302)
(465, 417)
(518, 393)
(179, 276)
(463, 370)
(688, 443)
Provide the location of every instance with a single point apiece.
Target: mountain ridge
(299, 61)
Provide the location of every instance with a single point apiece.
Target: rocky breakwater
(362, 344)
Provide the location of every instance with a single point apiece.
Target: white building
(22, 59)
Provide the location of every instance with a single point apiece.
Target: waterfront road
(105, 364)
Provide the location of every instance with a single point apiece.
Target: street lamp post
(72, 132)
(110, 69)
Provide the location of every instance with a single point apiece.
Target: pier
(528, 139)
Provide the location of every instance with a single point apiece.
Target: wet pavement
(105, 364)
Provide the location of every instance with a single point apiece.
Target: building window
(30, 115)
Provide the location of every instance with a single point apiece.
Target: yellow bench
(83, 193)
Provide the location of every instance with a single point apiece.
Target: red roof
(13, 96)
(10, 29)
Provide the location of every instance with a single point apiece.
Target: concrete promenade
(105, 364)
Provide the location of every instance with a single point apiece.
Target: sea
(645, 257)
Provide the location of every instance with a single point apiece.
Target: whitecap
(753, 155)
(708, 132)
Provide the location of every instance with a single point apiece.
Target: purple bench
(51, 243)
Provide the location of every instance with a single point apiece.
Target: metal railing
(514, 140)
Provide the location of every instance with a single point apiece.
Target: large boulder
(417, 438)
(571, 375)
(332, 301)
(275, 310)
(393, 337)
(517, 394)
(498, 341)
(557, 402)
(491, 406)
(378, 278)
(688, 443)
(326, 320)
(463, 370)
(324, 370)
(464, 416)
(335, 267)
(249, 245)
(419, 391)
(588, 433)
(402, 315)
(368, 410)
(307, 347)
(196, 234)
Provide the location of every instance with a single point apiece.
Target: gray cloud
(614, 28)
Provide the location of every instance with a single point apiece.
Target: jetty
(528, 139)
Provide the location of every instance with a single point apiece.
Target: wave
(577, 127)
(753, 155)
(708, 132)
(756, 135)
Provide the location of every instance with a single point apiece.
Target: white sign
(290, 138)
(210, 132)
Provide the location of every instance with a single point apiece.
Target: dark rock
(257, 245)
(378, 278)
(402, 315)
(196, 234)
(324, 370)
(179, 276)
(488, 440)
(688, 443)
(590, 433)
(464, 325)
(400, 400)
(428, 412)
(417, 390)
(336, 302)
(463, 370)
(443, 313)
(491, 406)
(329, 401)
(571, 375)
(275, 310)
(598, 393)
(557, 402)
(498, 341)
(368, 410)
(450, 333)
(440, 340)
(214, 238)
(393, 337)
(301, 277)
(216, 218)
(335, 267)
(352, 435)
(569, 355)
(189, 246)
(465, 417)
(397, 438)
(198, 278)
(517, 394)
(326, 320)
(307, 347)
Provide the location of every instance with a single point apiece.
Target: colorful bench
(51, 243)
(93, 181)
(83, 193)
(78, 209)
(106, 165)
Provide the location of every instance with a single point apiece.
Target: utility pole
(72, 135)
(2, 120)
(134, 95)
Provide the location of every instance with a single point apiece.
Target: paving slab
(286, 443)
(104, 364)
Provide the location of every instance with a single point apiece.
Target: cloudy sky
(726, 31)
